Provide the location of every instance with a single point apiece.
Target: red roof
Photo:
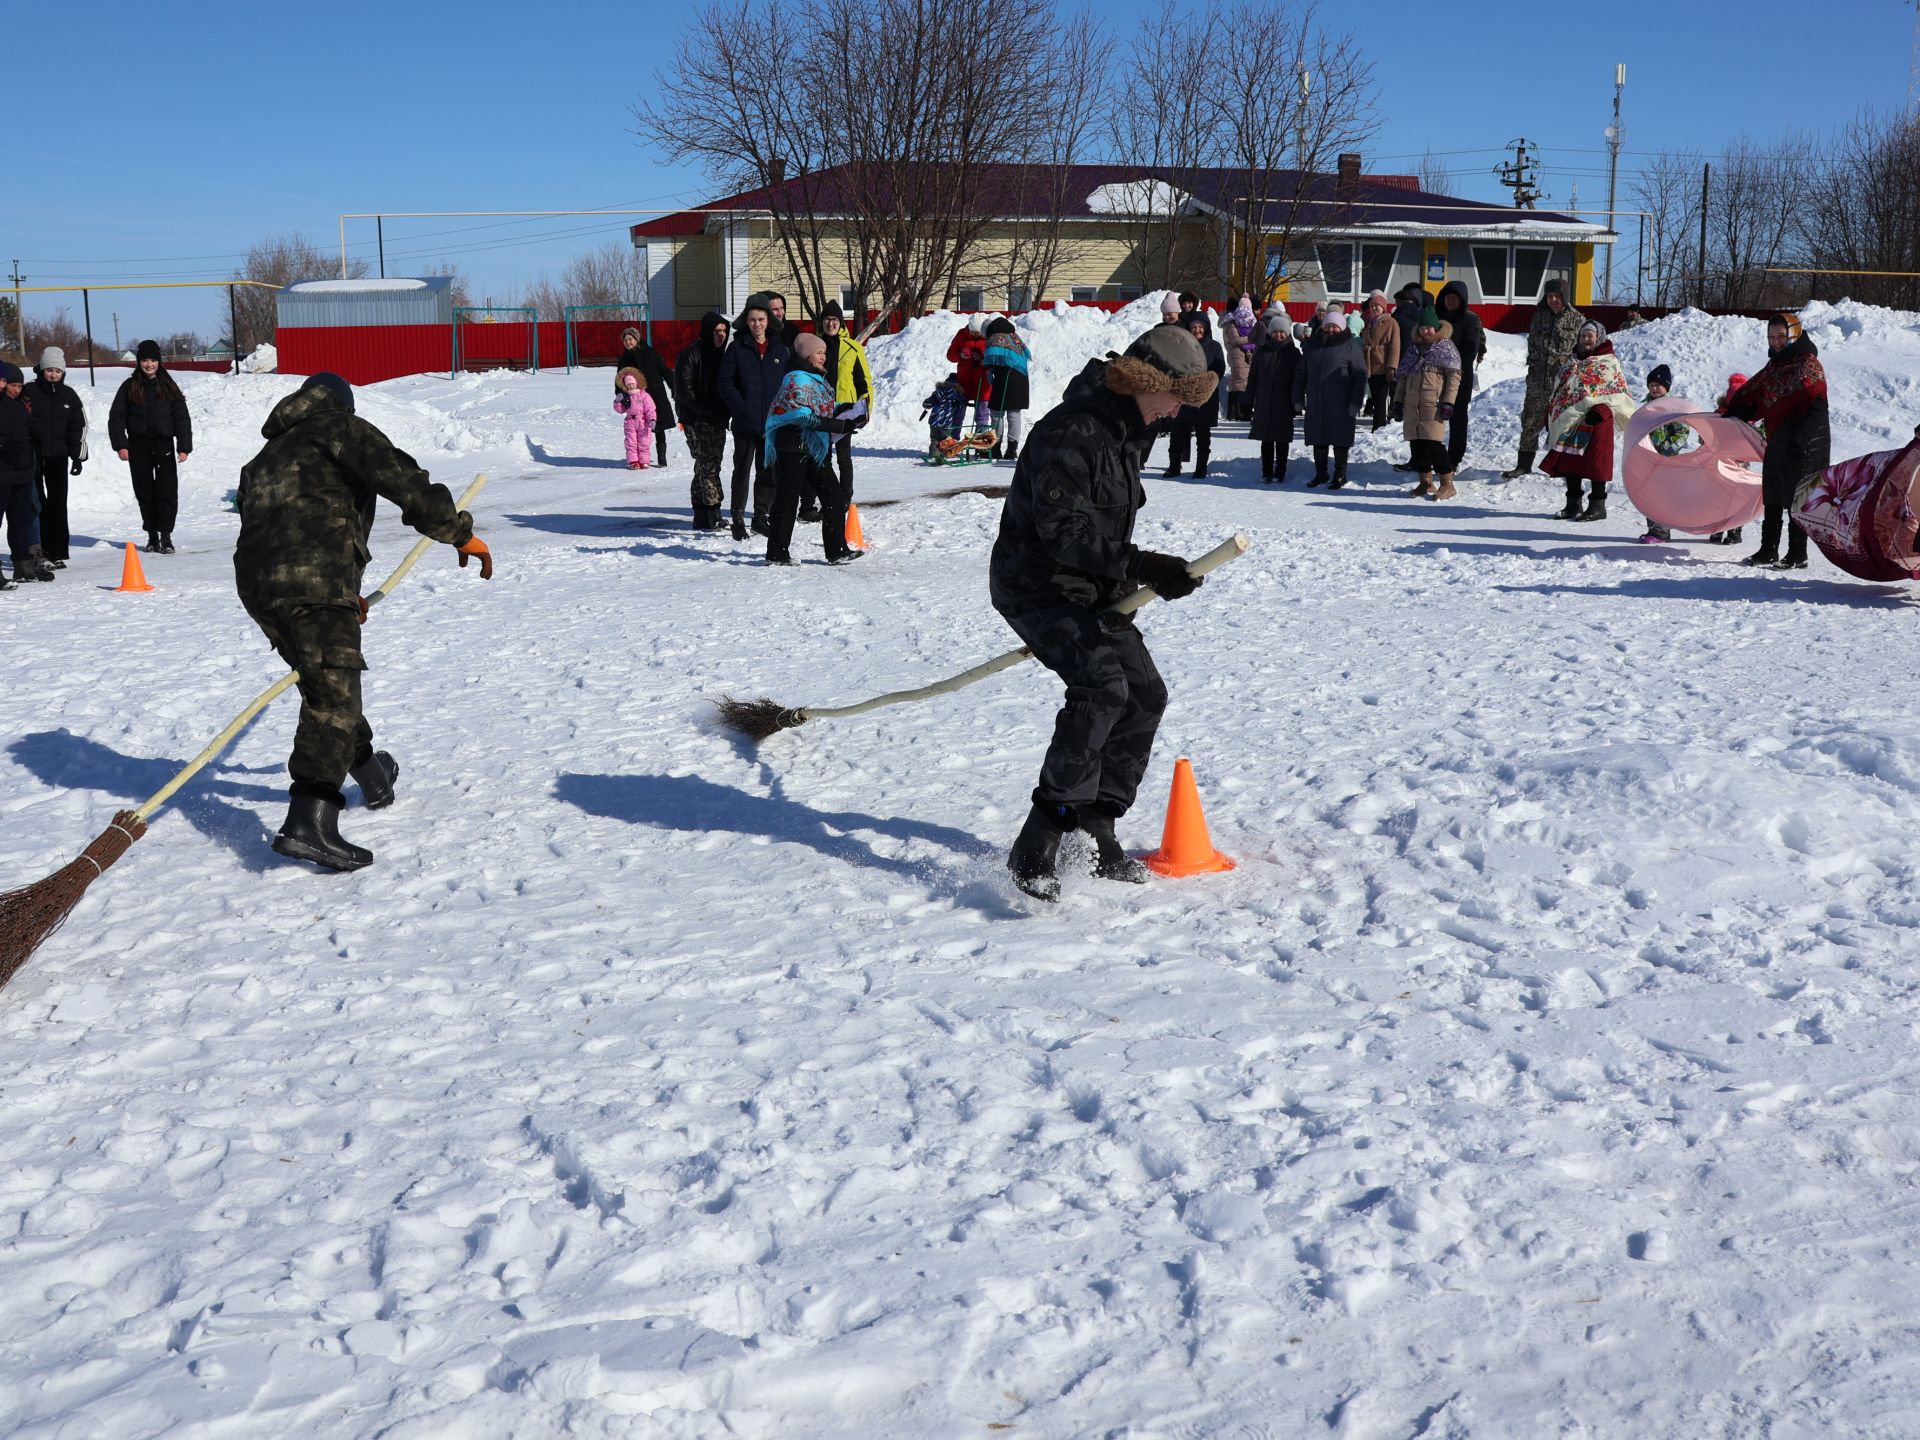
(1028, 190)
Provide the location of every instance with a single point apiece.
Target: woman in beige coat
(1425, 388)
(1380, 348)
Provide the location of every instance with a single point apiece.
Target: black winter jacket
(16, 450)
(59, 422)
(1201, 417)
(1270, 389)
(145, 411)
(696, 377)
(1469, 335)
(1066, 531)
(644, 358)
(749, 381)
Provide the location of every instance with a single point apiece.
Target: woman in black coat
(1270, 393)
(1330, 386)
(150, 429)
(703, 416)
(1194, 423)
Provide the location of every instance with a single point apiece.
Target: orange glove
(476, 549)
(361, 601)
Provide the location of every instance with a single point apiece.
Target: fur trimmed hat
(1167, 360)
(620, 380)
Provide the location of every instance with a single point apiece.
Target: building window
(1376, 266)
(853, 304)
(972, 297)
(1529, 270)
(1084, 292)
(1336, 267)
(1130, 292)
(1276, 263)
(1490, 266)
(1019, 297)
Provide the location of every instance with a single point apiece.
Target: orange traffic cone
(855, 539)
(133, 580)
(1185, 846)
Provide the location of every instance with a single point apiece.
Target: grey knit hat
(52, 358)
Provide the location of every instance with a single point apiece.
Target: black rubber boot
(1036, 850)
(1596, 501)
(312, 830)
(1110, 861)
(1013, 449)
(1522, 466)
(1200, 458)
(153, 542)
(375, 776)
(1769, 551)
(1796, 556)
(166, 542)
(739, 528)
(1572, 508)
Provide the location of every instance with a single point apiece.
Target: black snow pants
(156, 483)
(1103, 736)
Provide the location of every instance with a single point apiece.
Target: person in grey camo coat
(1556, 325)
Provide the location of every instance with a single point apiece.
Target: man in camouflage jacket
(1556, 325)
(306, 510)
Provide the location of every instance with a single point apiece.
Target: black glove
(837, 425)
(1166, 575)
(1446, 410)
(76, 468)
(1397, 412)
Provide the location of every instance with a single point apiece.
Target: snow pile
(264, 360)
(1060, 341)
(1137, 197)
(368, 286)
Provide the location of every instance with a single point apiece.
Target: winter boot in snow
(1200, 458)
(1173, 469)
(1571, 511)
(1036, 850)
(166, 542)
(739, 527)
(375, 776)
(1596, 501)
(1446, 490)
(1339, 481)
(1110, 861)
(1013, 449)
(1794, 559)
(312, 830)
(1424, 488)
(1769, 551)
(1523, 466)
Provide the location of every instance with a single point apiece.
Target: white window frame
(977, 293)
(1353, 268)
(1513, 272)
(1361, 288)
(1083, 292)
(1506, 260)
(1019, 297)
(853, 306)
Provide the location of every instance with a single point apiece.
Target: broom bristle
(758, 719)
(33, 912)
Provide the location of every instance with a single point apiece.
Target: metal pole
(1615, 136)
(86, 310)
(380, 234)
(19, 315)
(1706, 182)
(233, 324)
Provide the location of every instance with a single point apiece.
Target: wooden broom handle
(286, 682)
(1227, 550)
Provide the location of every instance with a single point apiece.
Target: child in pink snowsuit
(638, 407)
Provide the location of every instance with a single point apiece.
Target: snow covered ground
(1546, 1068)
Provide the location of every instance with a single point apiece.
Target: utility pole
(380, 234)
(1306, 92)
(1616, 136)
(1521, 175)
(116, 335)
(1700, 269)
(19, 316)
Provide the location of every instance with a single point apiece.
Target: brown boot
(1446, 490)
(1425, 487)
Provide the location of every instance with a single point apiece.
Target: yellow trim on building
(1582, 273)
(1435, 245)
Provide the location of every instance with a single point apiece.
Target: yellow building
(1369, 232)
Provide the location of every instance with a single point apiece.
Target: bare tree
(1754, 213)
(1668, 189)
(1862, 212)
(1170, 130)
(462, 292)
(278, 260)
(1435, 177)
(1298, 97)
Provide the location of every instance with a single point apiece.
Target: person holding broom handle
(306, 510)
(1065, 552)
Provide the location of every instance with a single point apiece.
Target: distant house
(1363, 232)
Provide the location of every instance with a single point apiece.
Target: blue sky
(235, 122)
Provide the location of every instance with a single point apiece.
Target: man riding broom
(306, 510)
(1065, 553)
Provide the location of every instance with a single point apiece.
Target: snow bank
(908, 365)
(264, 360)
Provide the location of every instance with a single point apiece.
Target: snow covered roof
(384, 285)
(1138, 197)
(391, 300)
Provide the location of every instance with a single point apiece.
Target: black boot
(1172, 470)
(739, 528)
(312, 830)
(1200, 458)
(375, 776)
(1339, 473)
(1013, 449)
(153, 542)
(1769, 551)
(1036, 850)
(1796, 556)
(166, 542)
(1522, 466)
(1596, 501)
(1572, 508)
(1110, 861)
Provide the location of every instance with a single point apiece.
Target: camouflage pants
(1103, 736)
(707, 443)
(1533, 413)
(322, 642)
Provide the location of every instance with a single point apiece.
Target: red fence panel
(362, 354)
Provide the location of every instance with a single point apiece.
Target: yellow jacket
(853, 374)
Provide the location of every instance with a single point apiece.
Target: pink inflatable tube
(1700, 491)
(1862, 514)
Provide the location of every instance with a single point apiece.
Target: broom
(33, 912)
(758, 719)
